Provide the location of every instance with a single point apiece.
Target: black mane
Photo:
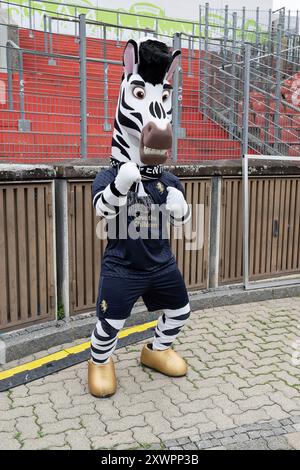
(154, 61)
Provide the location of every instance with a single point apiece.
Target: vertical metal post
(23, 124)
(51, 61)
(232, 103)
(297, 22)
(176, 102)
(156, 27)
(190, 73)
(277, 86)
(83, 93)
(243, 24)
(257, 28)
(30, 19)
(205, 85)
(9, 79)
(76, 24)
(199, 60)
(45, 33)
(225, 28)
(270, 31)
(246, 93)
(245, 220)
(118, 30)
(245, 163)
(289, 20)
(193, 40)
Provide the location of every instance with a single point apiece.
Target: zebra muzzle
(155, 144)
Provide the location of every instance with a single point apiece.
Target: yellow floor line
(69, 351)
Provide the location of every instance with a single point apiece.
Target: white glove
(127, 175)
(176, 203)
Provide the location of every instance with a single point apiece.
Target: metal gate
(276, 242)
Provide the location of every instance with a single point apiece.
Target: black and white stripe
(104, 339)
(108, 202)
(169, 326)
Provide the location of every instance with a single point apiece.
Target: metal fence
(230, 97)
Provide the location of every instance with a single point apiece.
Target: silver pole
(205, 85)
(45, 34)
(245, 220)
(30, 19)
(83, 94)
(190, 74)
(257, 27)
(199, 61)
(233, 116)
(9, 79)
(246, 92)
(277, 87)
(51, 61)
(225, 27)
(118, 30)
(23, 124)
(270, 31)
(243, 24)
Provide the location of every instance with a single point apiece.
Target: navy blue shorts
(117, 295)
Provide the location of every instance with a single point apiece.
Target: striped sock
(104, 339)
(169, 326)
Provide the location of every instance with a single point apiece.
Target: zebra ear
(130, 56)
(174, 64)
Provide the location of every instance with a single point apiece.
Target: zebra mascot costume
(138, 261)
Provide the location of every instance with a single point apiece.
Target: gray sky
(289, 4)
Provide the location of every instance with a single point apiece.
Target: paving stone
(46, 442)
(113, 439)
(293, 440)
(27, 427)
(144, 435)
(8, 441)
(277, 443)
(61, 426)
(255, 444)
(78, 440)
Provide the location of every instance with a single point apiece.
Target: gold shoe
(167, 362)
(102, 379)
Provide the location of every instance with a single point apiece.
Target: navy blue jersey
(146, 248)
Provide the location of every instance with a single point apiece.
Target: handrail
(23, 124)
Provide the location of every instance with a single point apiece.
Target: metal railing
(78, 95)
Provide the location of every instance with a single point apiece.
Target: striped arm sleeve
(108, 202)
(178, 221)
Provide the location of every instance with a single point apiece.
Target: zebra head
(142, 130)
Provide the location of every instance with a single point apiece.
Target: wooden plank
(276, 214)
(89, 243)
(42, 252)
(12, 256)
(291, 226)
(50, 251)
(22, 251)
(194, 254)
(252, 224)
(239, 243)
(227, 221)
(285, 232)
(269, 233)
(3, 265)
(187, 253)
(79, 254)
(258, 227)
(264, 225)
(234, 235)
(32, 254)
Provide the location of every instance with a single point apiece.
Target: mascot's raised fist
(176, 203)
(127, 175)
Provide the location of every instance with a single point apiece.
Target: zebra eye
(139, 92)
(165, 95)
